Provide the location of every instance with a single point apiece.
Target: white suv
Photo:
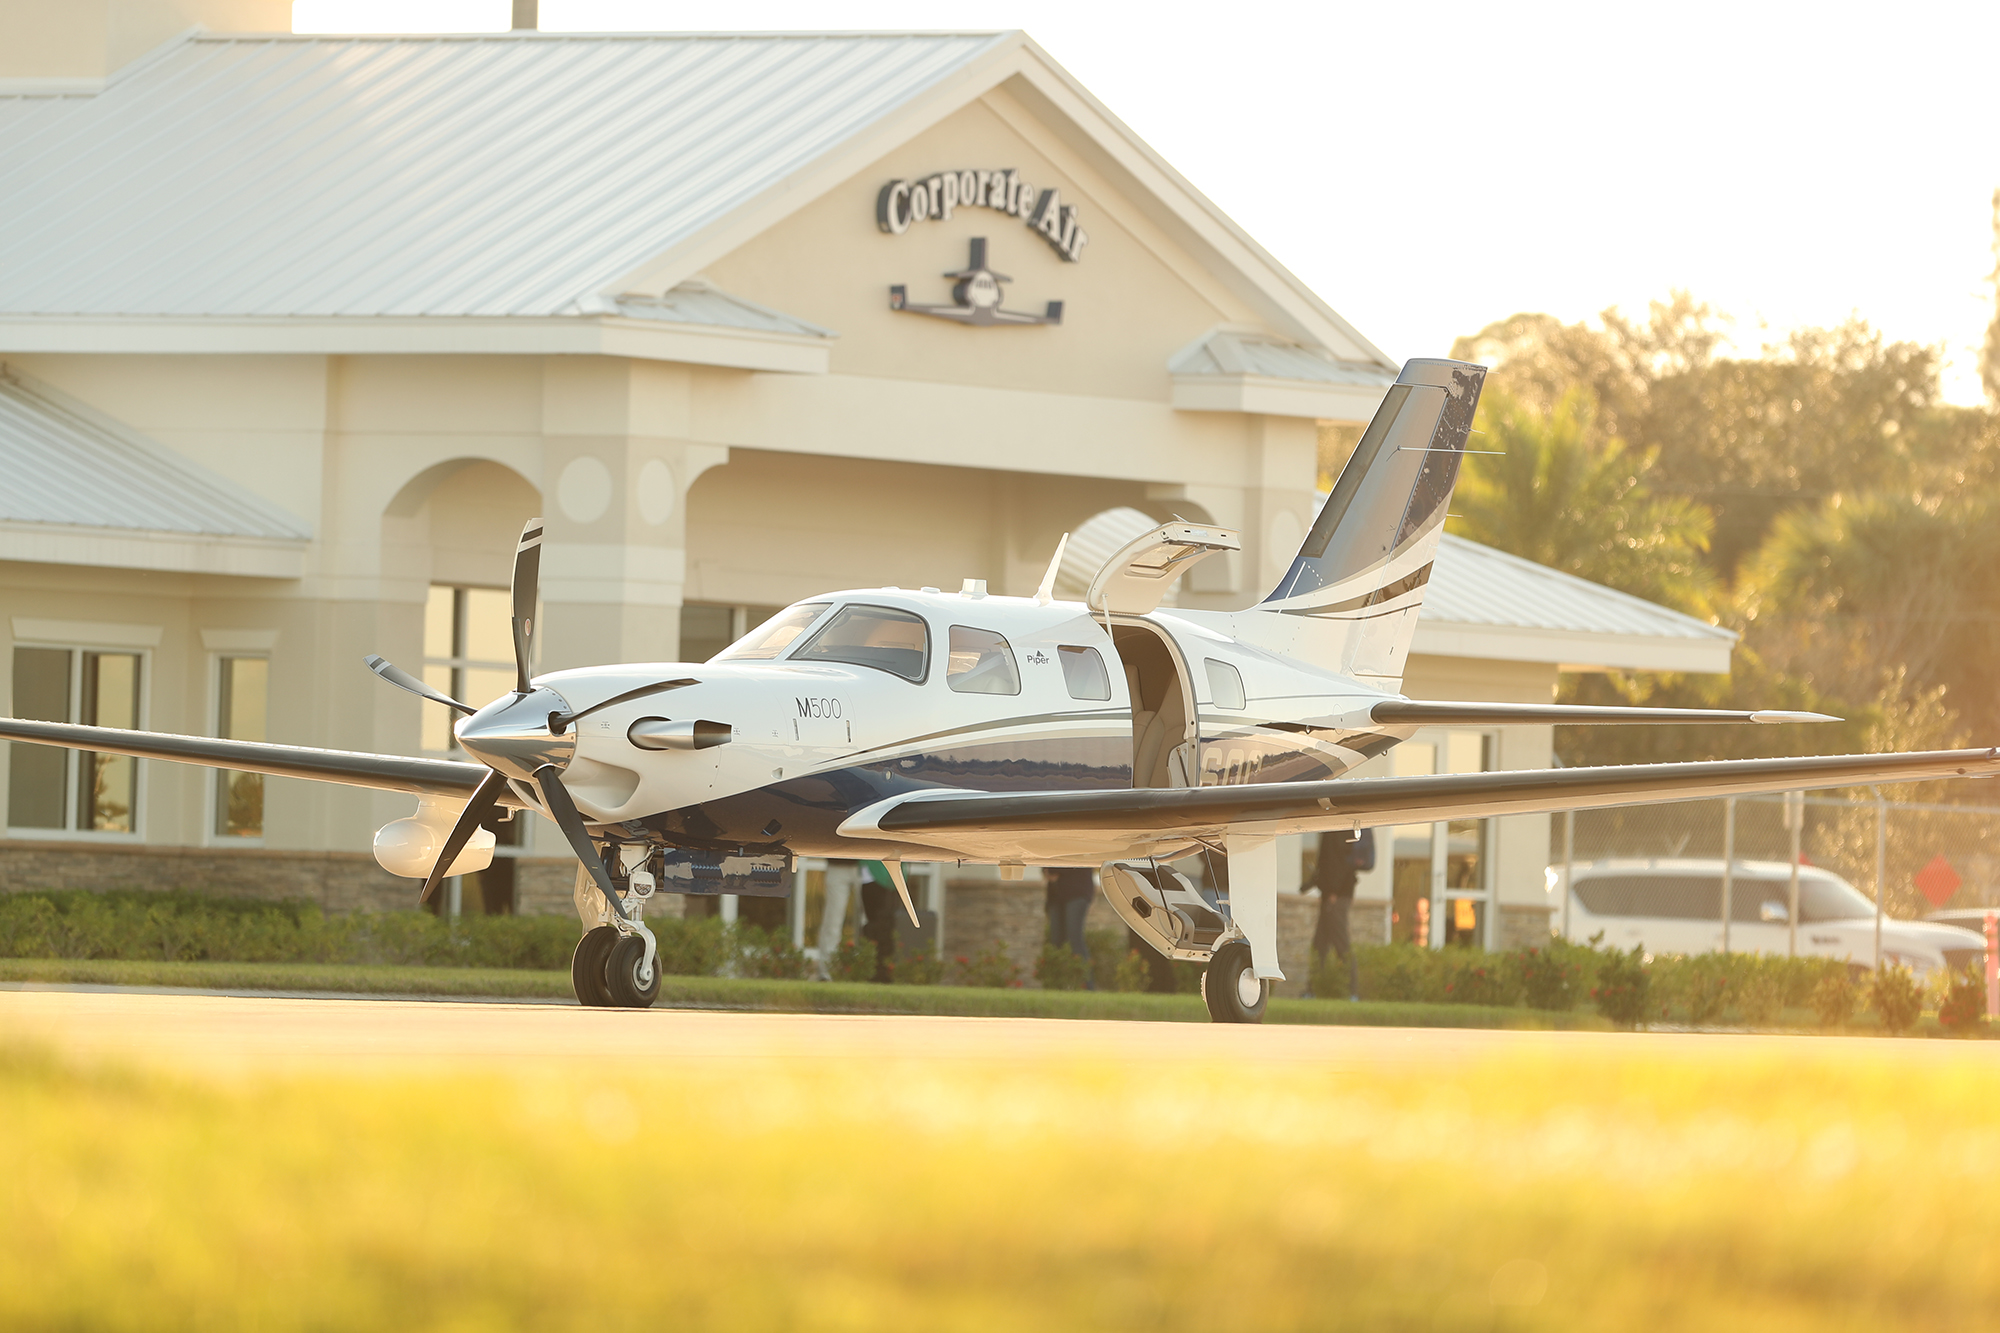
(1675, 906)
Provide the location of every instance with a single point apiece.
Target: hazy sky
(1430, 168)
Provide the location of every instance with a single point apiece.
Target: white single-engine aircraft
(894, 725)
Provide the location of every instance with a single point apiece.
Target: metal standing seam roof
(66, 465)
(698, 302)
(1231, 353)
(462, 175)
(1473, 584)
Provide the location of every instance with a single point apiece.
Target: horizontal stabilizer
(385, 772)
(1426, 712)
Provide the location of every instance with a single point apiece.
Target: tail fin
(1354, 589)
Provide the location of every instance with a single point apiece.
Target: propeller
(395, 675)
(561, 722)
(483, 799)
(527, 587)
(556, 797)
(547, 776)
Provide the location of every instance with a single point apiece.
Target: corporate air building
(295, 331)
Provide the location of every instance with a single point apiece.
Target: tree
(1560, 494)
(1989, 363)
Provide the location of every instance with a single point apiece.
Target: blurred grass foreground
(1580, 1182)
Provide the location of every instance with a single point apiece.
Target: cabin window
(1225, 684)
(882, 637)
(241, 707)
(981, 663)
(774, 636)
(50, 788)
(1083, 672)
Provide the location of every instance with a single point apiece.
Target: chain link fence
(1951, 851)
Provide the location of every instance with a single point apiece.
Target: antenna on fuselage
(1047, 592)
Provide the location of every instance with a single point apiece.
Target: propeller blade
(395, 675)
(561, 722)
(484, 797)
(557, 798)
(527, 587)
(895, 869)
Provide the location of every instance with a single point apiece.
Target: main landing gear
(1230, 986)
(608, 970)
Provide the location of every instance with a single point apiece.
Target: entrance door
(1165, 736)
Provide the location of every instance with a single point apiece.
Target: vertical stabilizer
(1350, 599)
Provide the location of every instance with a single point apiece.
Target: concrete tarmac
(243, 1034)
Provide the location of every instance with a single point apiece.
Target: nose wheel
(1231, 988)
(587, 972)
(608, 971)
(629, 981)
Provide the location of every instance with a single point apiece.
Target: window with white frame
(468, 653)
(74, 790)
(242, 708)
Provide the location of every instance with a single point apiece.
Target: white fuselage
(810, 742)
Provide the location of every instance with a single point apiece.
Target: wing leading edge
(387, 772)
(1059, 824)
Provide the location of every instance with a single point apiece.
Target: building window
(241, 710)
(468, 653)
(707, 628)
(74, 790)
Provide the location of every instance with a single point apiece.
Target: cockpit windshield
(898, 642)
(770, 639)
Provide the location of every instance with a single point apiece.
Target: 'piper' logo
(901, 203)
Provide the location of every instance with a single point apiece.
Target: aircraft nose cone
(512, 734)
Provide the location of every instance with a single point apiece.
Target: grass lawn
(1495, 1182)
(781, 996)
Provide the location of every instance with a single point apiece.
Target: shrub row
(1629, 988)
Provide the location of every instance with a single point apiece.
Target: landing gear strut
(1231, 988)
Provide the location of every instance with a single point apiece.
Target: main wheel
(586, 966)
(621, 975)
(1231, 988)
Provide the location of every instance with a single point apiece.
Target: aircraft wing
(1055, 825)
(1430, 712)
(388, 772)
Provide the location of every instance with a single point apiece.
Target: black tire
(621, 975)
(1225, 981)
(586, 967)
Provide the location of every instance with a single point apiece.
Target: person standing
(1342, 856)
(880, 904)
(1067, 902)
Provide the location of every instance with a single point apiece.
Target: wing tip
(1779, 715)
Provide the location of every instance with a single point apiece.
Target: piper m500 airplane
(895, 725)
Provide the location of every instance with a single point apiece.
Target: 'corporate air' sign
(903, 202)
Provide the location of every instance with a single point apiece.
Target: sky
(1429, 169)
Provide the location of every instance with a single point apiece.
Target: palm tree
(1558, 497)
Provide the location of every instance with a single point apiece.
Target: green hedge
(1750, 989)
(186, 927)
